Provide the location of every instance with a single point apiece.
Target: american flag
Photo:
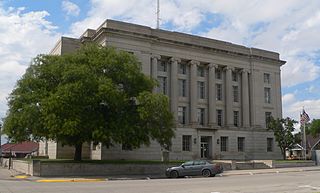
(304, 117)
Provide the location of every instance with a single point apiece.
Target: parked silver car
(195, 168)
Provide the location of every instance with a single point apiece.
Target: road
(293, 182)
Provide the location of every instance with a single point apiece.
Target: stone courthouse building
(221, 94)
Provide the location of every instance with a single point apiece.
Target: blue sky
(30, 27)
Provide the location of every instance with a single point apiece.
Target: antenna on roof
(158, 14)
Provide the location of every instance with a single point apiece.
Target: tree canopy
(314, 127)
(283, 129)
(96, 94)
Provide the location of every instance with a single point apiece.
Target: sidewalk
(7, 174)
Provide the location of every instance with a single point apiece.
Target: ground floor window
(224, 143)
(269, 144)
(186, 143)
(241, 144)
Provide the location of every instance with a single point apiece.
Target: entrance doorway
(205, 150)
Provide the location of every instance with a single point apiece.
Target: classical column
(193, 92)
(174, 86)
(228, 97)
(245, 99)
(212, 94)
(154, 68)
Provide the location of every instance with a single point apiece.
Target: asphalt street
(290, 182)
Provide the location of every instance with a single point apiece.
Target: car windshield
(188, 163)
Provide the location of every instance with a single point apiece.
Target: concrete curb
(71, 180)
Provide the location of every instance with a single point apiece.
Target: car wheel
(174, 174)
(206, 173)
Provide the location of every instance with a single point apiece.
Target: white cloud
(70, 8)
(23, 35)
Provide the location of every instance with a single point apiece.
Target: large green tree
(314, 127)
(96, 94)
(283, 129)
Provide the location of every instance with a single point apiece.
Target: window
(201, 71)
(219, 92)
(267, 95)
(162, 66)
(218, 73)
(235, 94)
(219, 117)
(241, 144)
(201, 90)
(234, 76)
(201, 116)
(127, 147)
(269, 144)
(268, 117)
(186, 143)
(266, 78)
(182, 88)
(182, 69)
(182, 115)
(236, 118)
(162, 84)
(224, 143)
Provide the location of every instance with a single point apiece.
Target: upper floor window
(266, 78)
(201, 116)
(182, 88)
(267, 95)
(268, 118)
(218, 73)
(182, 68)
(182, 115)
(234, 76)
(235, 93)
(201, 90)
(236, 118)
(219, 92)
(219, 117)
(162, 84)
(201, 71)
(162, 66)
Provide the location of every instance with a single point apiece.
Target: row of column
(211, 92)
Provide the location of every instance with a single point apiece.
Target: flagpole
(304, 140)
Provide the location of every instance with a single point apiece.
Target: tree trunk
(283, 151)
(78, 152)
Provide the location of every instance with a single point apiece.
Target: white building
(221, 93)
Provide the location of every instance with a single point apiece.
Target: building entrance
(205, 150)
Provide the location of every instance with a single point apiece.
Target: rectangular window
(186, 142)
(234, 77)
(218, 73)
(182, 115)
(182, 68)
(267, 95)
(268, 117)
(162, 66)
(182, 88)
(201, 116)
(219, 117)
(162, 85)
(236, 118)
(266, 78)
(269, 144)
(235, 93)
(201, 90)
(201, 71)
(241, 144)
(224, 143)
(219, 92)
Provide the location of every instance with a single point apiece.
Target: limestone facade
(221, 94)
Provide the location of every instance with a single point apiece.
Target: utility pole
(158, 14)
